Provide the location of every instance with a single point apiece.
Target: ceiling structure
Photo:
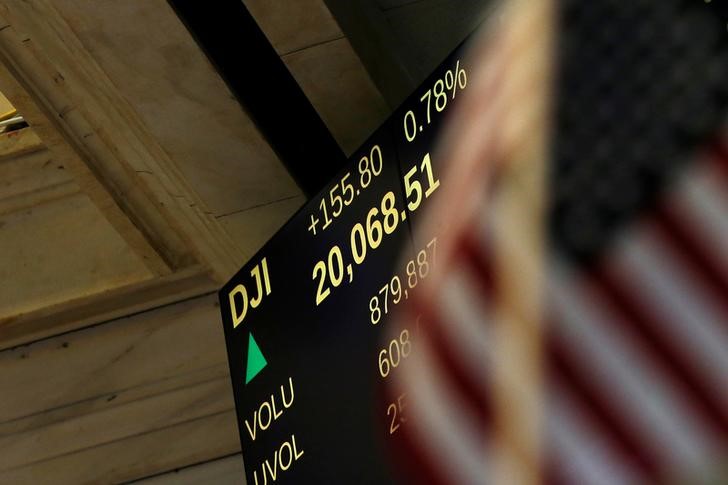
(139, 187)
(402, 41)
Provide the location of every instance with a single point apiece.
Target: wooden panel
(110, 358)
(80, 114)
(117, 421)
(182, 101)
(292, 26)
(333, 77)
(140, 236)
(34, 195)
(98, 307)
(15, 83)
(136, 457)
(225, 471)
(60, 250)
(28, 174)
(123, 400)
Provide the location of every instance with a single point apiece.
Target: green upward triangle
(256, 361)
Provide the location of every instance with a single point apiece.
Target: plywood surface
(127, 399)
(29, 173)
(61, 249)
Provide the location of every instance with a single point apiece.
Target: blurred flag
(473, 387)
(598, 354)
(638, 345)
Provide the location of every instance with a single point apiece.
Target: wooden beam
(52, 137)
(87, 310)
(80, 115)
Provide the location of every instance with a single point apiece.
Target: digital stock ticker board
(306, 319)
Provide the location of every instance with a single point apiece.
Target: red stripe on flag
(704, 270)
(410, 454)
(469, 392)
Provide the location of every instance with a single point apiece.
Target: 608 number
(391, 356)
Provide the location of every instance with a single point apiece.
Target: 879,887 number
(395, 291)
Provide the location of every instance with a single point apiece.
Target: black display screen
(305, 319)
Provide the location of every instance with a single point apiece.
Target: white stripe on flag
(644, 396)
(466, 318)
(460, 448)
(582, 453)
(653, 274)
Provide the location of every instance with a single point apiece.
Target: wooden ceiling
(148, 178)
(139, 187)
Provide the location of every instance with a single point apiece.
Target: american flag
(579, 334)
